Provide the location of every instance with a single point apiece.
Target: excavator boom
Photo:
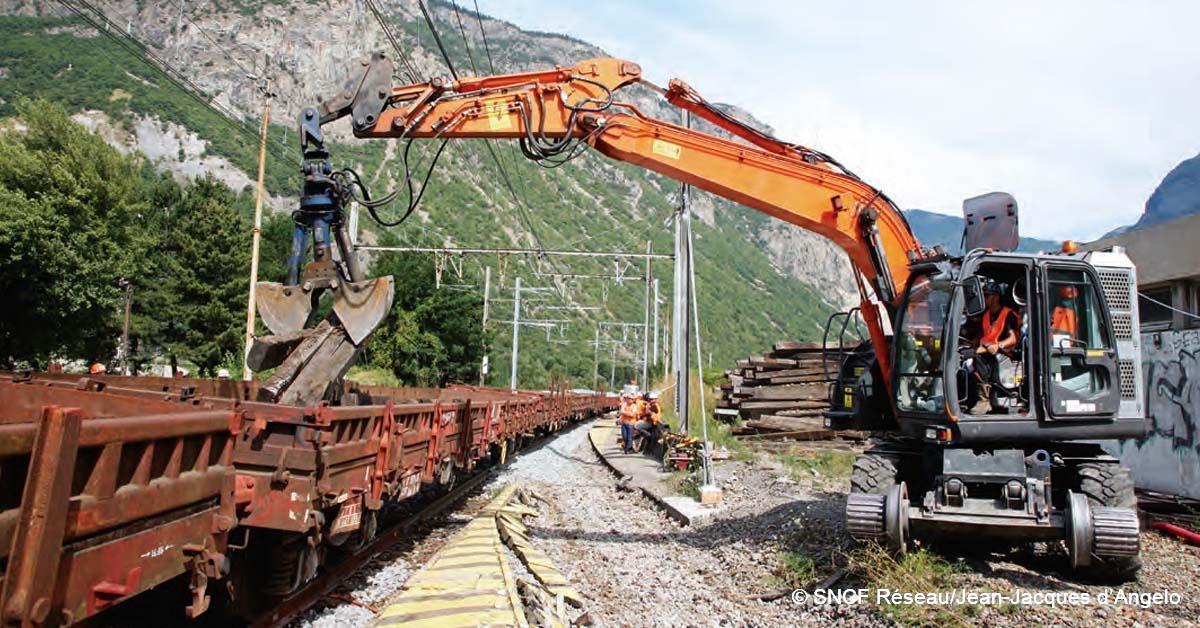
(548, 108)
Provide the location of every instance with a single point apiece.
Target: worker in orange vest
(653, 410)
(999, 326)
(631, 410)
(1062, 318)
(650, 421)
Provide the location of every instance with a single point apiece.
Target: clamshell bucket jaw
(360, 306)
(284, 309)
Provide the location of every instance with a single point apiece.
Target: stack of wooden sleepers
(783, 391)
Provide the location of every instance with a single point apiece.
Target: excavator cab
(1011, 449)
(1059, 374)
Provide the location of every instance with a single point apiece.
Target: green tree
(70, 214)
(432, 336)
(276, 244)
(191, 305)
(203, 273)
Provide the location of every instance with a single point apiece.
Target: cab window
(1082, 362)
(919, 346)
(1075, 318)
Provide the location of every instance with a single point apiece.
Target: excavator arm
(546, 109)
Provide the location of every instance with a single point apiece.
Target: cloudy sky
(1077, 108)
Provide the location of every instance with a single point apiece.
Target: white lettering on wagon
(158, 551)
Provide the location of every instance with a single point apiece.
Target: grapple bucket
(362, 305)
(283, 308)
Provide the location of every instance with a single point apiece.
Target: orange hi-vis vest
(655, 413)
(631, 411)
(993, 328)
(1063, 321)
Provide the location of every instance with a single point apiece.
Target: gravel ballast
(638, 567)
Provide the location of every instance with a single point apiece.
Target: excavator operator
(999, 331)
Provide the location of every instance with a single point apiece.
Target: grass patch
(917, 572)
(686, 483)
(804, 559)
(800, 568)
(373, 376)
(721, 435)
(818, 462)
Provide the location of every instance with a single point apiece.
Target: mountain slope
(1177, 195)
(758, 280)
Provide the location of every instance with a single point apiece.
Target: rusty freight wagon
(298, 484)
(105, 496)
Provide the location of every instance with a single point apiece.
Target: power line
(172, 73)
(437, 38)
(141, 51)
(387, 32)
(522, 211)
(229, 56)
(521, 205)
(515, 251)
(1168, 306)
(249, 72)
(467, 43)
(483, 34)
(491, 66)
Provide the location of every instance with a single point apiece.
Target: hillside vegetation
(746, 300)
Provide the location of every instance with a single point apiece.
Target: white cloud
(1077, 108)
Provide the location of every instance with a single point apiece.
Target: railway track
(314, 592)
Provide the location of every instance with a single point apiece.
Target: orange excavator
(1028, 468)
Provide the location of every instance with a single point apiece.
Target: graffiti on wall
(1167, 458)
(1173, 389)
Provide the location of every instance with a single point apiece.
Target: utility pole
(612, 364)
(666, 345)
(709, 492)
(596, 359)
(516, 332)
(654, 350)
(125, 329)
(487, 287)
(256, 238)
(646, 326)
(680, 324)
